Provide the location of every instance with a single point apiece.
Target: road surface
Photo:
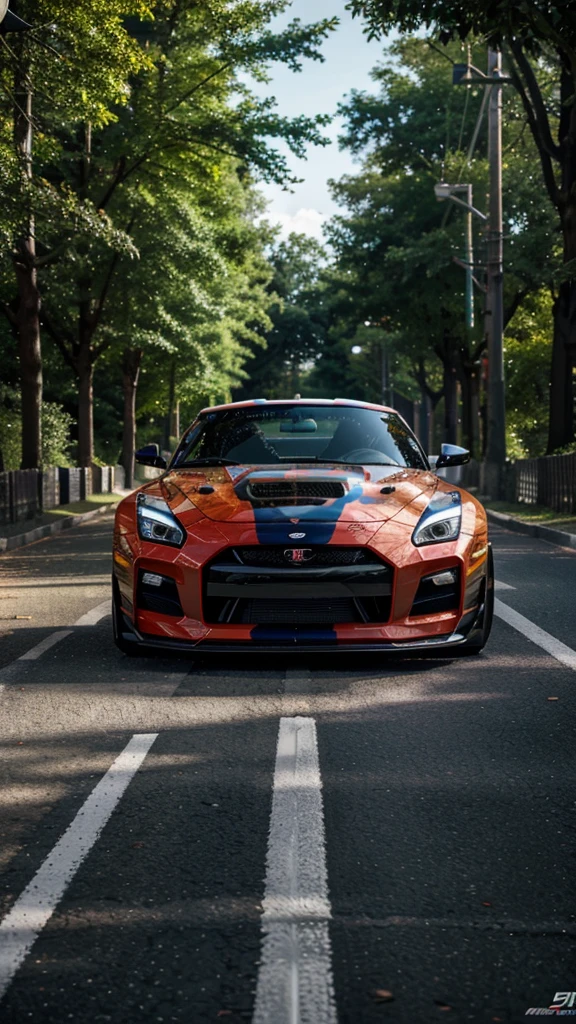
(338, 839)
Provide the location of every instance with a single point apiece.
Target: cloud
(305, 222)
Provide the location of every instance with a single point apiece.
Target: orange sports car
(304, 524)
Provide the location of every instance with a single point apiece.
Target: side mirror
(452, 455)
(149, 455)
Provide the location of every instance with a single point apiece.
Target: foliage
(395, 246)
(297, 323)
(56, 426)
(539, 44)
(527, 351)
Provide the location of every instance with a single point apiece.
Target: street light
(442, 191)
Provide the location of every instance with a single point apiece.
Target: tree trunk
(130, 372)
(469, 383)
(171, 400)
(450, 404)
(27, 320)
(561, 430)
(85, 407)
(29, 354)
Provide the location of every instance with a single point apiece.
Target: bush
(56, 426)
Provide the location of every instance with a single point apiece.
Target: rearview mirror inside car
(298, 426)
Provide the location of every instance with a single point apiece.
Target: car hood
(327, 493)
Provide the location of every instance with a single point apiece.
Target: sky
(318, 89)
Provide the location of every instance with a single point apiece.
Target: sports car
(302, 524)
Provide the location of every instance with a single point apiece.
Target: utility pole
(496, 420)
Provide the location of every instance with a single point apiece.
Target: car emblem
(298, 554)
(296, 536)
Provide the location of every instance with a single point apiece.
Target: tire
(481, 632)
(126, 646)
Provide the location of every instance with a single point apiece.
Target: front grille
(312, 613)
(162, 597)
(290, 490)
(264, 584)
(273, 555)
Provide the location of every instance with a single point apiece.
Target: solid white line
(295, 976)
(44, 645)
(22, 925)
(499, 585)
(538, 636)
(95, 614)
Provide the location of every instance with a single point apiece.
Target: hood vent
(295, 491)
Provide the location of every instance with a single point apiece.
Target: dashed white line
(537, 635)
(295, 976)
(33, 909)
(44, 645)
(500, 585)
(92, 617)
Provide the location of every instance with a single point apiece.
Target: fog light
(444, 579)
(152, 579)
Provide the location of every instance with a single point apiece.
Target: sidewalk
(534, 521)
(15, 535)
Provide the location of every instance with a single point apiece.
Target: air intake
(292, 490)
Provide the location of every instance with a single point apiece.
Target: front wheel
(481, 631)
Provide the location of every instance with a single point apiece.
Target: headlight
(156, 522)
(441, 521)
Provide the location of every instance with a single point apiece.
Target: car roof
(329, 402)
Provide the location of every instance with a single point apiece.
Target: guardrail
(26, 493)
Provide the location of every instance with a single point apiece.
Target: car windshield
(268, 435)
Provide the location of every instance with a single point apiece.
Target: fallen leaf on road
(136, 846)
(486, 904)
(442, 1005)
(551, 698)
(383, 995)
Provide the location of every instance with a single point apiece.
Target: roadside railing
(26, 493)
(549, 481)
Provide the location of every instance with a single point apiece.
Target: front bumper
(294, 645)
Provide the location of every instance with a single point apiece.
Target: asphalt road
(430, 878)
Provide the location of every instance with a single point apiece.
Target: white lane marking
(44, 645)
(90, 618)
(95, 614)
(499, 585)
(295, 977)
(34, 907)
(537, 635)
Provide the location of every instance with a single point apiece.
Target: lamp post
(444, 191)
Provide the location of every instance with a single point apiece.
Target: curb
(559, 537)
(39, 532)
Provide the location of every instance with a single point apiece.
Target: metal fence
(26, 493)
(549, 481)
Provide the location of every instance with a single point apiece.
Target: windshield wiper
(208, 461)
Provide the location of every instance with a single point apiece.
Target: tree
(395, 245)
(76, 77)
(190, 119)
(296, 332)
(534, 37)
